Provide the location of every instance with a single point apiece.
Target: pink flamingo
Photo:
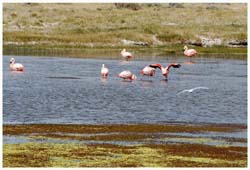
(148, 71)
(127, 75)
(15, 66)
(165, 71)
(189, 52)
(104, 71)
(126, 55)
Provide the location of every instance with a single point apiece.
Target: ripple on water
(82, 97)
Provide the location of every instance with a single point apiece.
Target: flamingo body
(15, 66)
(189, 52)
(126, 55)
(127, 75)
(148, 71)
(104, 71)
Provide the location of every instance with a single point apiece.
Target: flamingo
(104, 71)
(126, 55)
(189, 52)
(165, 71)
(148, 71)
(15, 66)
(127, 75)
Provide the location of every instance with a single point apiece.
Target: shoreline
(114, 52)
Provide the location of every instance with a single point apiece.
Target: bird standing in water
(165, 70)
(148, 71)
(104, 71)
(15, 66)
(126, 55)
(127, 75)
(189, 52)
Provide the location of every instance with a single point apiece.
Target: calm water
(70, 90)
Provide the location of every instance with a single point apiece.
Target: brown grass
(106, 25)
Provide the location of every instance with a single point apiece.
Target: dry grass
(106, 25)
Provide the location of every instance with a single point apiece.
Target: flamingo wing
(191, 52)
(127, 54)
(173, 65)
(156, 66)
(18, 67)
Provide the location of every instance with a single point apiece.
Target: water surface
(70, 90)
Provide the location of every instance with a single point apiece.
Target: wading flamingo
(104, 71)
(15, 66)
(127, 75)
(165, 71)
(148, 71)
(189, 52)
(126, 55)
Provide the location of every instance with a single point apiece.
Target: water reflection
(124, 62)
(146, 83)
(164, 82)
(189, 62)
(127, 82)
(104, 80)
(17, 72)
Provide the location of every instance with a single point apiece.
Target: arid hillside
(113, 25)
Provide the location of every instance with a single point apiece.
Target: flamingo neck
(163, 70)
(12, 65)
(133, 77)
(123, 51)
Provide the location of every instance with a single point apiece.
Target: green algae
(75, 155)
(174, 151)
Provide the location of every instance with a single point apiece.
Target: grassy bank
(114, 53)
(50, 145)
(107, 25)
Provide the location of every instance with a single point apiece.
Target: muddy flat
(142, 145)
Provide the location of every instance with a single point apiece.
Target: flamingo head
(12, 61)
(133, 77)
(185, 47)
(103, 65)
(124, 50)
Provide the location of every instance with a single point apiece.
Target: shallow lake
(71, 90)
